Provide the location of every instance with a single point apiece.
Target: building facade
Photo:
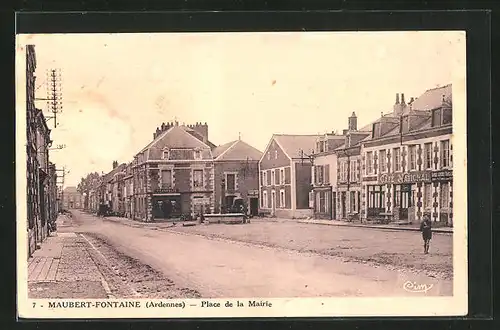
(285, 176)
(236, 176)
(174, 174)
(408, 161)
(72, 199)
(324, 176)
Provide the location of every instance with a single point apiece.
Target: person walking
(426, 229)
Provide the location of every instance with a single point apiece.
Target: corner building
(407, 161)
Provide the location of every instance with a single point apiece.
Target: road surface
(223, 268)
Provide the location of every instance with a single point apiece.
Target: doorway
(334, 203)
(343, 205)
(254, 206)
(273, 203)
(402, 200)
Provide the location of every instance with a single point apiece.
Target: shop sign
(253, 193)
(401, 178)
(166, 190)
(444, 175)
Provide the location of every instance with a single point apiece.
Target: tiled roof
(177, 137)
(236, 150)
(293, 144)
(432, 98)
(70, 189)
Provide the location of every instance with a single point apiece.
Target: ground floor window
(353, 201)
(376, 199)
(282, 198)
(166, 207)
(264, 200)
(445, 195)
(427, 195)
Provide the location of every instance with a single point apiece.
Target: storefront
(166, 204)
(408, 196)
(324, 203)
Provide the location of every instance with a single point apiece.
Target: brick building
(72, 199)
(285, 176)
(236, 176)
(174, 174)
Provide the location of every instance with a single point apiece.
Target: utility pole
(54, 94)
(61, 182)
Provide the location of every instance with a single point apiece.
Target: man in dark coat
(426, 229)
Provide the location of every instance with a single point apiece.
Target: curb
(437, 230)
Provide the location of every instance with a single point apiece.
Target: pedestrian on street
(426, 229)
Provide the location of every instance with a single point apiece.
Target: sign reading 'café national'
(414, 177)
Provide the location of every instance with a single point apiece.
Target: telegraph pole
(54, 94)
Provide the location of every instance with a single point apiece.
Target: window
(376, 196)
(369, 162)
(278, 177)
(428, 155)
(321, 146)
(264, 178)
(275, 154)
(352, 174)
(343, 171)
(268, 155)
(282, 198)
(445, 195)
(319, 174)
(322, 201)
(198, 178)
(273, 178)
(165, 154)
(166, 179)
(436, 117)
(427, 195)
(397, 159)
(282, 176)
(230, 182)
(382, 158)
(445, 153)
(264, 199)
(412, 154)
(197, 154)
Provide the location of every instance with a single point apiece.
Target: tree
(86, 185)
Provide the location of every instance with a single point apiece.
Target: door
(405, 201)
(343, 205)
(334, 203)
(254, 206)
(273, 203)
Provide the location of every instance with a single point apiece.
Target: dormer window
(165, 154)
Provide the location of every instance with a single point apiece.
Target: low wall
(228, 218)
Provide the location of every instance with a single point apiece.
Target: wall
(273, 157)
(302, 184)
(247, 178)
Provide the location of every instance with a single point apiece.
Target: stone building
(285, 176)
(408, 160)
(174, 174)
(236, 176)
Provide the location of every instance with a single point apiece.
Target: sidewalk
(446, 230)
(63, 268)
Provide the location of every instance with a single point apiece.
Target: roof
(70, 189)
(293, 144)
(109, 176)
(236, 150)
(432, 98)
(178, 137)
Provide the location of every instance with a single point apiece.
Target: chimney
(411, 100)
(115, 164)
(353, 122)
(398, 107)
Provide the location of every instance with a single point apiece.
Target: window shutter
(327, 173)
(358, 163)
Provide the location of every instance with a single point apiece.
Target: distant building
(236, 176)
(285, 176)
(72, 199)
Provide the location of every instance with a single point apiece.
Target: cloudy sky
(118, 88)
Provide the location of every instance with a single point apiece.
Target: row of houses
(41, 177)
(399, 167)
(180, 173)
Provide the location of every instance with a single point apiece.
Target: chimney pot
(397, 98)
(402, 98)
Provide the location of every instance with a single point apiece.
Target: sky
(117, 88)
